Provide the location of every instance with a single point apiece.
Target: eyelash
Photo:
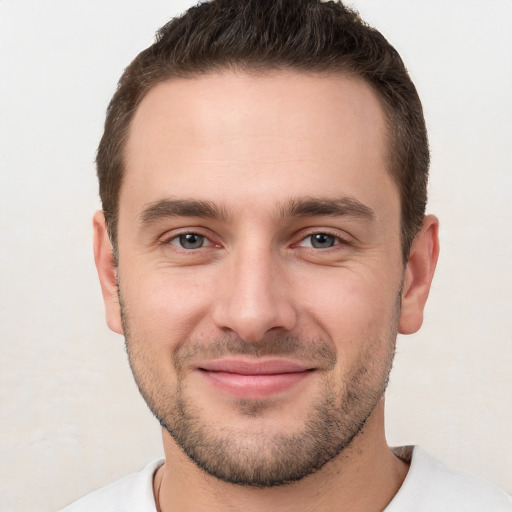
(338, 240)
(175, 237)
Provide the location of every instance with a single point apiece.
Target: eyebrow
(317, 206)
(295, 207)
(169, 207)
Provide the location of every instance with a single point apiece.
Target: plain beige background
(71, 417)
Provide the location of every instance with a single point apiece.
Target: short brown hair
(260, 35)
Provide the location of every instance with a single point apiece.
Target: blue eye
(189, 241)
(322, 240)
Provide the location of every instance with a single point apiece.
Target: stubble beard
(259, 459)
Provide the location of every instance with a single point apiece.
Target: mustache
(315, 351)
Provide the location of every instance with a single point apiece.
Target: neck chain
(157, 492)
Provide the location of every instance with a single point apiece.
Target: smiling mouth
(256, 380)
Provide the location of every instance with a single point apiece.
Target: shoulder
(131, 493)
(431, 486)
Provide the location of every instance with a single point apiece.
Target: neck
(364, 477)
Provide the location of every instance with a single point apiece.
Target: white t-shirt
(429, 487)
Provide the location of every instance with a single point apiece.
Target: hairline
(341, 69)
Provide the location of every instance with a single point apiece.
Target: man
(263, 239)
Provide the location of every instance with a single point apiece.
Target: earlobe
(418, 275)
(107, 272)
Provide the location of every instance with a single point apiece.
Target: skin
(253, 146)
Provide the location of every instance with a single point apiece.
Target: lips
(254, 379)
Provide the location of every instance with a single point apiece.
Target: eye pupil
(191, 241)
(322, 240)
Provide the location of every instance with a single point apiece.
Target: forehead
(255, 133)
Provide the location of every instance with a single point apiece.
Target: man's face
(260, 267)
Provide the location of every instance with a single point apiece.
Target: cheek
(353, 308)
(361, 323)
(166, 307)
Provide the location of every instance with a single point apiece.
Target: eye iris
(322, 241)
(191, 241)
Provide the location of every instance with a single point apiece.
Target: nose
(252, 297)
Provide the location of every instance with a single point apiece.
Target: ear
(107, 272)
(419, 272)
